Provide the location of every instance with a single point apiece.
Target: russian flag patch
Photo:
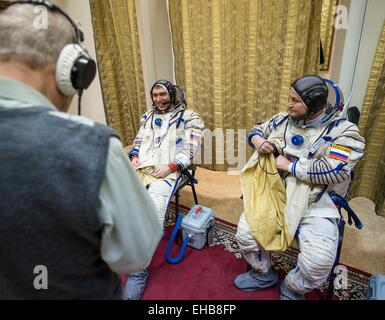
(339, 152)
(196, 134)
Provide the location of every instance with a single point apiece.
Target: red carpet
(208, 274)
(205, 274)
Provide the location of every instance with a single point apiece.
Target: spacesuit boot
(288, 294)
(255, 280)
(135, 285)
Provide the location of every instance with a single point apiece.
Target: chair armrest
(190, 176)
(340, 202)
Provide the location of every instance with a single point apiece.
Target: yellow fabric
(145, 175)
(369, 178)
(264, 198)
(119, 63)
(327, 29)
(236, 63)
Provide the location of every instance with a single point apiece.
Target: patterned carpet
(224, 234)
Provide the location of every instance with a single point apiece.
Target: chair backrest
(353, 114)
(189, 177)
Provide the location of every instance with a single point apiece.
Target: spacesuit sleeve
(192, 141)
(338, 162)
(134, 151)
(264, 129)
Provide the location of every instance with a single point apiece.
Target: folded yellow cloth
(145, 175)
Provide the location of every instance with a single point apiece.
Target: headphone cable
(80, 93)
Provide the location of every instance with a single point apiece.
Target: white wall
(354, 48)
(92, 101)
(155, 43)
(375, 16)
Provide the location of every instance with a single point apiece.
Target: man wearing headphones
(317, 153)
(168, 140)
(69, 197)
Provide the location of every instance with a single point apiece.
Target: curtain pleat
(236, 59)
(369, 178)
(327, 27)
(119, 63)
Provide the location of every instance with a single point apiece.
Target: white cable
(172, 46)
(358, 51)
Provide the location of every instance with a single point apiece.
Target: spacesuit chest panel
(160, 128)
(161, 134)
(299, 142)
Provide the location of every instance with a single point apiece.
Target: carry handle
(197, 210)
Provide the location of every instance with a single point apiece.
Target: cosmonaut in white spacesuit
(168, 141)
(317, 152)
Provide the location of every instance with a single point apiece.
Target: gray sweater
(51, 170)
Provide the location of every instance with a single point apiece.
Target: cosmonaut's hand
(282, 163)
(162, 172)
(135, 162)
(262, 145)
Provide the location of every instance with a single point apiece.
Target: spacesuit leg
(160, 192)
(261, 275)
(318, 241)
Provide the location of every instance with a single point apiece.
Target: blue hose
(171, 240)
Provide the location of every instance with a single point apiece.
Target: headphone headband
(53, 8)
(75, 69)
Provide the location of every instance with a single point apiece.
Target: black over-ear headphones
(75, 69)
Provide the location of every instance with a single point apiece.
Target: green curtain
(236, 59)
(119, 63)
(369, 179)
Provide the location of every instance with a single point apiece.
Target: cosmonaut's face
(295, 106)
(161, 98)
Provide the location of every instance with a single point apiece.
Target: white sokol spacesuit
(323, 153)
(164, 138)
(170, 137)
